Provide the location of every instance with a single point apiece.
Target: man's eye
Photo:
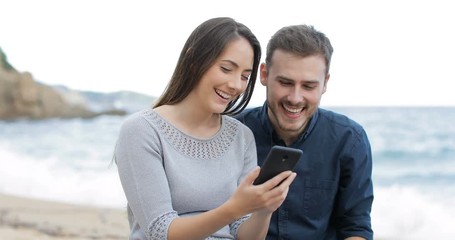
(309, 87)
(286, 83)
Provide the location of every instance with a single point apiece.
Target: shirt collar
(265, 121)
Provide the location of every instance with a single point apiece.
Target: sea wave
(47, 178)
(413, 166)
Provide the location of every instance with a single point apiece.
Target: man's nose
(295, 95)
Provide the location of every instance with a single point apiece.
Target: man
(332, 195)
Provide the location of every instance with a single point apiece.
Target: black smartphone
(278, 160)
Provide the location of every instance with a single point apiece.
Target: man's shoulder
(344, 130)
(249, 113)
(339, 119)
(251, 117)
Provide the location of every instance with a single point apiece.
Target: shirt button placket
(283, 223)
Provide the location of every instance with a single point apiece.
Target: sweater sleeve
(250, 162)
(250, 154)
(138, 157)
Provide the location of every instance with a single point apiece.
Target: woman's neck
(191, 120)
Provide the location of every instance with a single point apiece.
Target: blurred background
(71, 71)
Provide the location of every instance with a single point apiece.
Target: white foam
(68, 161)
(49, 179)
(407, 213)
(398, 212)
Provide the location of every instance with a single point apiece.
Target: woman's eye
(225, 69)
(246, 77)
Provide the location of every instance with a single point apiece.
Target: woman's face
(227, 78)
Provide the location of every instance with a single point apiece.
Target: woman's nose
(236, 83)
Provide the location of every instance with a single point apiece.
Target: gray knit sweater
(166, 173)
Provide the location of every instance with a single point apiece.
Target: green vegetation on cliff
(4, 61)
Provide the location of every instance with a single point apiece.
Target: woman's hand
(266, 197)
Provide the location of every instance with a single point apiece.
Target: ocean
(413, 165)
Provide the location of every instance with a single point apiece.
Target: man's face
(295, 86)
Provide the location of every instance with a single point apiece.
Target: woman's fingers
(268, 195)
(280, 189)
(275, 181)
(278, 194)
(249, 179)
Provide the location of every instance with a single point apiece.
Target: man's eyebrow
(235, 64)
(280, 77)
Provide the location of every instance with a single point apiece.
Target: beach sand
(24, 219)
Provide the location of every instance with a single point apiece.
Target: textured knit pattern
(235, 225)
(158, 227)
(167, 173)
(195, 148)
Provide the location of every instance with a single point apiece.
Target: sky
(386, 53)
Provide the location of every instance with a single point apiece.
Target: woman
(187, 167)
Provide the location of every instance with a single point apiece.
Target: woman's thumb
(249, 179)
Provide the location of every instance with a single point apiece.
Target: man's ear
(263, 74)
(327, 77)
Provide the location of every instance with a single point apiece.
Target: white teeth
(293, 110)
(223, 94)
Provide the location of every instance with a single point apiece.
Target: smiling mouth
(223, 95)
(292, 109)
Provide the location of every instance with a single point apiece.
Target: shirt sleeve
(140, 167)
(356, 191)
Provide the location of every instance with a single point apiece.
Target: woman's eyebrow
(235, 64)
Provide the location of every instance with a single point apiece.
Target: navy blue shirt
(332, 194)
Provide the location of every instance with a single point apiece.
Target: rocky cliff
(23, 97)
